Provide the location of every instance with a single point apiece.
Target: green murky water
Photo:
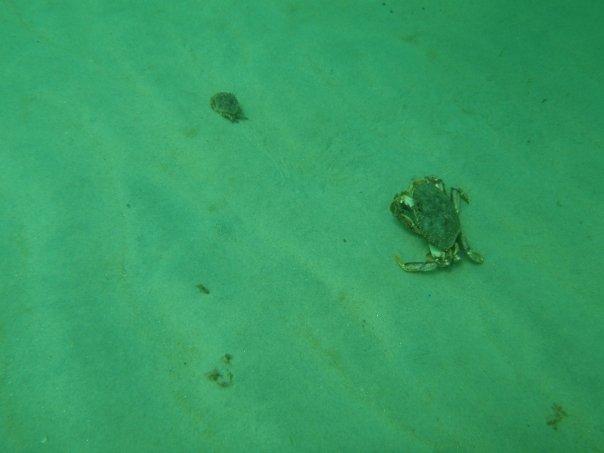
(173, 281)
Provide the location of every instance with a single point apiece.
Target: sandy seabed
(172, 281)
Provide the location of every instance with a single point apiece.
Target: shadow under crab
(429, 211)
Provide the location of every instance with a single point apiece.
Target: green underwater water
(174, 281)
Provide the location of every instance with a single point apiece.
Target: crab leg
(474, 256)
(416, 266)
(437, 182)
(409, 223)
(456, 195)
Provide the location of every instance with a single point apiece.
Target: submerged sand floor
(121, 191)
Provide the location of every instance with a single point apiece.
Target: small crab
(428, 210)
(227, 106)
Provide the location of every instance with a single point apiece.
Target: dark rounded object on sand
(227, 106)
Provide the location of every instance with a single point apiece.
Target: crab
(429, 211)
(227, 106)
